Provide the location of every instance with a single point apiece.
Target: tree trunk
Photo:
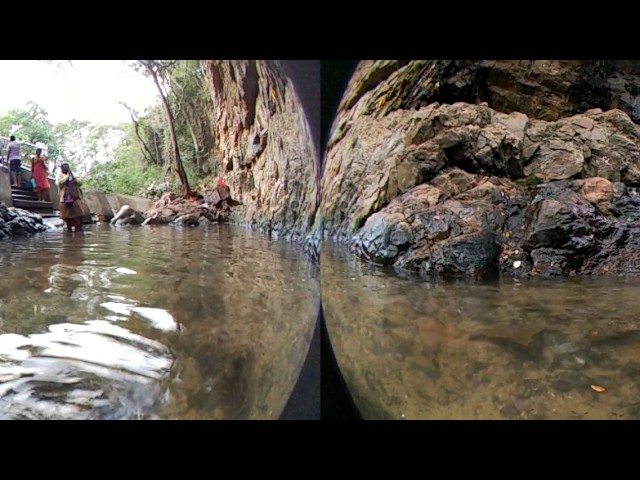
(142, 142)
(176, 151)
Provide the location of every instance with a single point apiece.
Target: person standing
(69, 191)
(39, 174)
(14, 157)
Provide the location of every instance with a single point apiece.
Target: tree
(136, 124)
(31, 125)
(192, 102)
(158, 70)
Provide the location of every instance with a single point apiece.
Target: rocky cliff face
(542, 89)
(262, 145)
(521, 184)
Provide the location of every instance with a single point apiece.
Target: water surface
(506, 349)
(152, 323)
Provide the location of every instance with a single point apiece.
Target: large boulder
(17, 222)
(127, 216)
(448, 228)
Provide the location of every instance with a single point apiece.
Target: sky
(85, 90)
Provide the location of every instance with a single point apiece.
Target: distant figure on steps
(14, 157)
(39, 174)
(69, 191)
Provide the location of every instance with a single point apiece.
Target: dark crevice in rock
(250, 91)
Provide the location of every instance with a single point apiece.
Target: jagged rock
(176, 210)
(261, 145)
(596, 190)
(381, 158)
(154, 220)
(542, 89)
(17, 222)
(552, 230)
(456, 237)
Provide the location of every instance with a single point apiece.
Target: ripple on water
(152, 323)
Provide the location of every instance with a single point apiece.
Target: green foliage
(189, 99)
(141, 157)
(531, 181)
(31, 125)
(127, 173)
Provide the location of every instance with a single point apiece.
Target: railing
(3, 145)
(4, 141)
(24, 168)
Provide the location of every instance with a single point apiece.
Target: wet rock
(523, 334)
(401, 234)
(510, 411)
(455, 238)
(631, 370)
(568, 381)
(630, 337)
(127, 216)
(190, 220)
(18, 222)
(535, 171)
(561, 228)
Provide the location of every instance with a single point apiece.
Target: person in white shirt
(14, 157)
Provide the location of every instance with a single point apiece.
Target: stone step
(33, 205)
(24, 196)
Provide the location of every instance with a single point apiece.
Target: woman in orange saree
(39, 174)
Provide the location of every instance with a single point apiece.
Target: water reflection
(536, 349)
(152, 323)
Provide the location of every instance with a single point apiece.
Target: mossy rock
(530, 181)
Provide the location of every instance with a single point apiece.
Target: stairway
(27, 200)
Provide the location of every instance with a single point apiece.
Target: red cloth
(39, 173)
(221, 182)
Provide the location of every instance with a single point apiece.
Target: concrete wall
(139, 204)
(5, 186)
(99, 204)
(53, 194)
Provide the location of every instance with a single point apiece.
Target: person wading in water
(69, 191)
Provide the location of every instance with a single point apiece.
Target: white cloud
(87, 90)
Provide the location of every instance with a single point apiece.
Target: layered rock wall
(521, 185)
